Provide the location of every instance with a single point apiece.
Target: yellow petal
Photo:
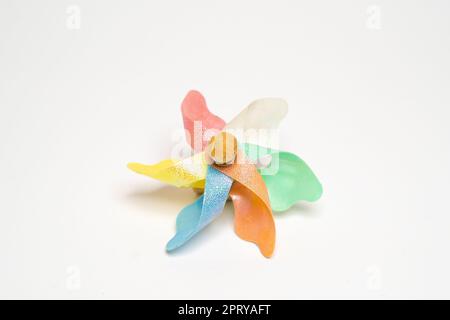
(190, 172)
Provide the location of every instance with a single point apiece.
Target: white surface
(369, 111)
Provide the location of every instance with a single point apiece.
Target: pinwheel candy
(257, 179)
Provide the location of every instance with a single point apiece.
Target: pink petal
(197, 119)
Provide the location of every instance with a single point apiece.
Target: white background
(369, 111)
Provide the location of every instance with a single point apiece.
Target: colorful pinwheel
(257, 179)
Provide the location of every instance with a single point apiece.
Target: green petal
(292, 182)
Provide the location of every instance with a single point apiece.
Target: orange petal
(245, 172)
(253, 213)
(253, 220)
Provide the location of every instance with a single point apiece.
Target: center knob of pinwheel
(222, 149)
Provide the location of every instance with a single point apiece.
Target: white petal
(258, 123)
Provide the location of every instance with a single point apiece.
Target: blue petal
(204, 210)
